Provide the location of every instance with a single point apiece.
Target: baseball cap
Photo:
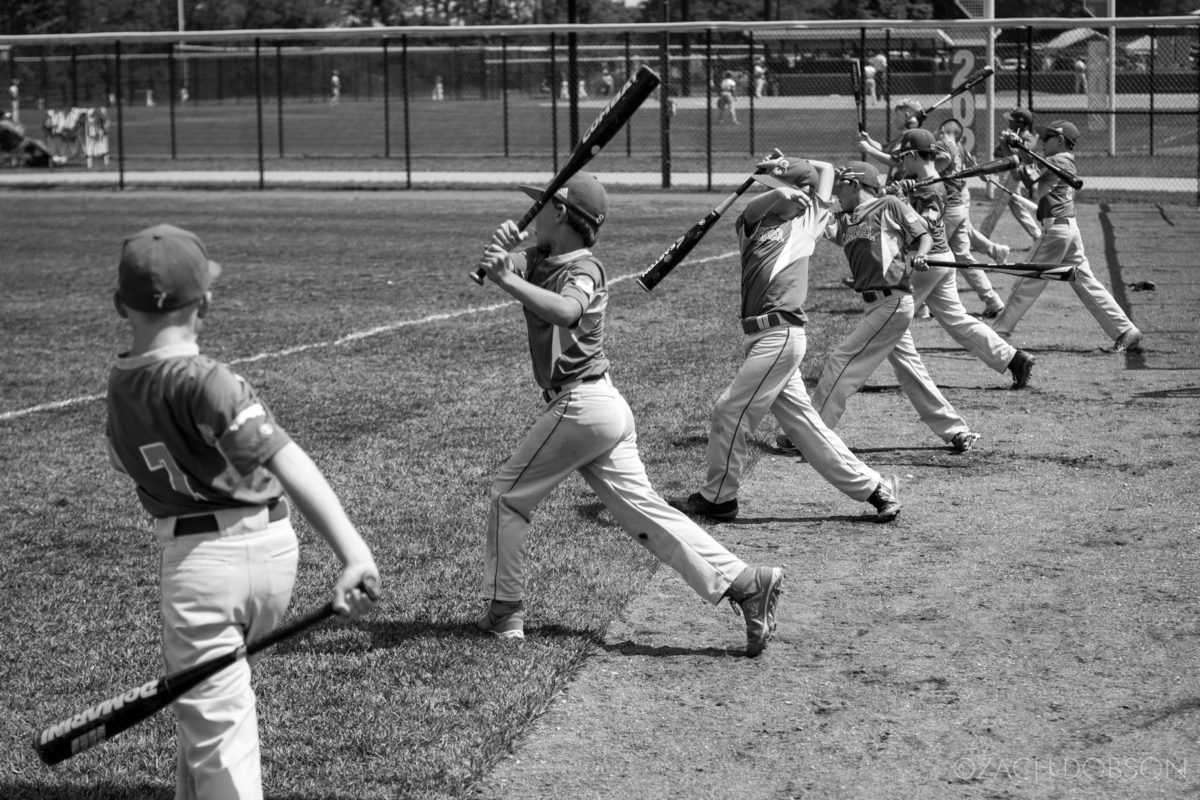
(581, 192)
(1062, 128)
(917, 139)
(1020, 115)
(860, 172)
(789, 174)
(910, 104)
(164, 268)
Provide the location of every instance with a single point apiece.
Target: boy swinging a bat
(777, 232)
(211, 465)
(587, 426)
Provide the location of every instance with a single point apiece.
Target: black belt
(207, 523)
(871, 297)
(1056, 220)
(764, 321)
(555, 391)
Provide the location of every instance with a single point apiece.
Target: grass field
(408, 421)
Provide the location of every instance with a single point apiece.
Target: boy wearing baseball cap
(1060, 243)
(909, 113)
(884, 240)
(937, 287)
(211, 464)
(587, 426)
(1020, 122)
(777, 232)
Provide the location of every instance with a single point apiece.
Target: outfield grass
(408, 424)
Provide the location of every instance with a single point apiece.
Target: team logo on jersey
(771, 235)
(860, 231)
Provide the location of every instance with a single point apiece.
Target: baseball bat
(1021, 200)
(987, 168)
(972, 80)
(1022, 269)
(674, 255)
(614, 116)
(860, 100)
(106, 719)
(1071, 180)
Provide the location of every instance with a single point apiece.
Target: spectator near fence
(14, 96)
(1080, 70)
(725, 100)
(879, 62)
(760, 76)
(335, 88)
(439, 89)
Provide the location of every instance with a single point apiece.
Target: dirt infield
(1027, 628)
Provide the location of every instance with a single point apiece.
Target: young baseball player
(777, 233)
(908, 114)
(884, 240)
(957, 220)
(586, 425)
(211, 464)
(937, 287)
(1020, 122)
(1060, 243)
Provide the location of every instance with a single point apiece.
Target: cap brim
(535, 192)
(773, 182)
(214, 271)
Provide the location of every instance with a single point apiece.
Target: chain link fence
(421, 102)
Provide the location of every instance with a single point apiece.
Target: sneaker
(1128, 342)
(886, 499)
(1021, 367)
(963, 441)
(757, 604)
(993, 312)
(695, 505)
(1003, 251)
(922, 312)
(504, 619)
(785, 445)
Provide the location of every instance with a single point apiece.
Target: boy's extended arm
(319, 504)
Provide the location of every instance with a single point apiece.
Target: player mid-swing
(586, 425)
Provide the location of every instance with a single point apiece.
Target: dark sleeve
(241, 426)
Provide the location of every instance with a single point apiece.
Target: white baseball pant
(591, 429)
(770, 380)
(220, 590)
(1061, 243)
(937, 289)
(883, 334)
(958, 235)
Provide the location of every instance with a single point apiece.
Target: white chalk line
(347, 339)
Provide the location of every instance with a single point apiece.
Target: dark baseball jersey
(1060, 201)
(775, 255)
(562, 355)
(875, 237)
(948, 158)
(191, 433)
(930, 203)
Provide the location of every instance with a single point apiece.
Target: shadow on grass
(629, 648)
(36, 790)
(385, 634)
(859, 519)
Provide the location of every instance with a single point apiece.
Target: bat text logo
(99, 711)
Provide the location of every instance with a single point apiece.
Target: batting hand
(917, 262)
(357, 589)
(495, 262)
(508, 235)
(900, 187)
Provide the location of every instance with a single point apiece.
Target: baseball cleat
(1021, 367)
(695, 505)
(886, 499)
(992, 313)
(963, 441)
(1128, 342)
(785, 446)
(504, 619)
(757, 604)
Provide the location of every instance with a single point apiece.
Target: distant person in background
(439, 88)
(760, 76)
(879, 62)
(725, 101)
(1080, 70)
(335, 88)
(184, 95)
(868, 73)
(14, 96)
(606, 82)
